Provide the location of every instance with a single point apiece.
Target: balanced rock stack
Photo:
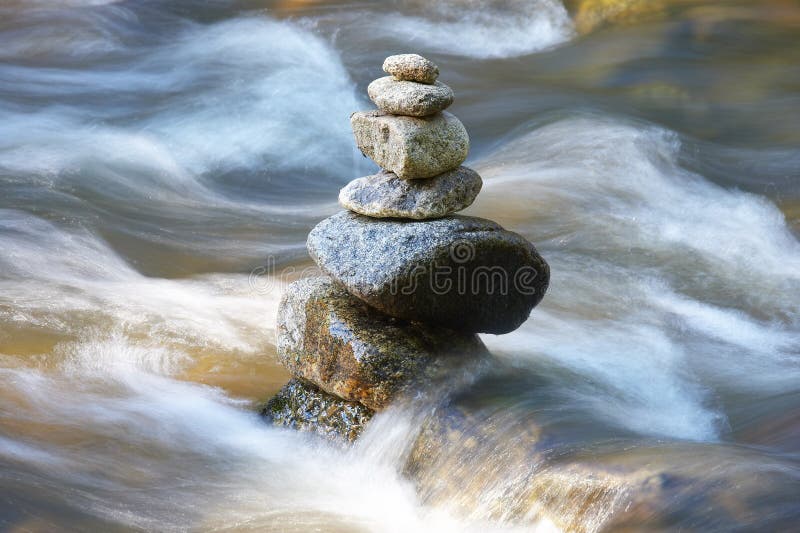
(409, 285)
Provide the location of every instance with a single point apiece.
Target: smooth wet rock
(463, 458)
(592, 14)
(304, 407)
(411, 67)
(459, 272)
(508, 444)
(332, 339)
(384, 195)
(409, 98)
(411, 147)
(495, 444)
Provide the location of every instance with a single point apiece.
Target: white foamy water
(480, 29)
(250, 92)
(483, 29)
(177, 128)
(112, 417)
(63, 281)
(662, 281)
(151, 156)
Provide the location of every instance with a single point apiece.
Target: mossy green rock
(411, 147)
(302, 406)
(463, 273)
(330, 338)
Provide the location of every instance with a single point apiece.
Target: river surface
(161, 163)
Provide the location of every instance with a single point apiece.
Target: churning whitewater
(161, 164)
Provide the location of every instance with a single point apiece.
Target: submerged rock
(384, 195)
(302, 406)
(330, 338)
(466, 459)
(411, 147)
(409, 98)
(507, 447)
(411, 67)
(592, 14)
(464, 273)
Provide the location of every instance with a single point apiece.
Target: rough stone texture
(409, 98)
(330, 338)
(384, 195)
(411, 67)
(411, 147)
(302, 406)
(460, 272)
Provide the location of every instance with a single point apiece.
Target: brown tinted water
(162, 162)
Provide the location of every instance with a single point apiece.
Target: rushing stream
(162, 161)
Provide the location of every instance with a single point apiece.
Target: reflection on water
(153, 153)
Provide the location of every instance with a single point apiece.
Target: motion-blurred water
(154, 153)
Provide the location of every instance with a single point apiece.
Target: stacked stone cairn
(408, 284)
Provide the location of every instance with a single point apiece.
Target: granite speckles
(411, 67)
(384, 195)
(411, 147)
(459, 272)
(409, 98)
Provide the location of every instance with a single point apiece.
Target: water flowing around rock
(405, 294)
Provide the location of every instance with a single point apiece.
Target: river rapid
(161, 163)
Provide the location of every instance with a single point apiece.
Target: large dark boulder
(463, 273)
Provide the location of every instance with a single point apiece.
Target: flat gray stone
(302, 406)
(411, 67)
(464, 273)
(409, 98)
(411, 147)
(332, 339)
(384, 195)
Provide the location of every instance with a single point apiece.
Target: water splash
(63, 281)
(479, 29)
(484, 29)
(635, 242)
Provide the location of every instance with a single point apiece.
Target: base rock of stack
(302, 406)
(409, 98)
(464, 273)
(384, 195)
(411, 147)
(329, 338)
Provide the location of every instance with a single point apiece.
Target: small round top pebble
(411, 67)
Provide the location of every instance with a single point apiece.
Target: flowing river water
(161, 163)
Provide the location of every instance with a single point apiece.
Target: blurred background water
(154, 153)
